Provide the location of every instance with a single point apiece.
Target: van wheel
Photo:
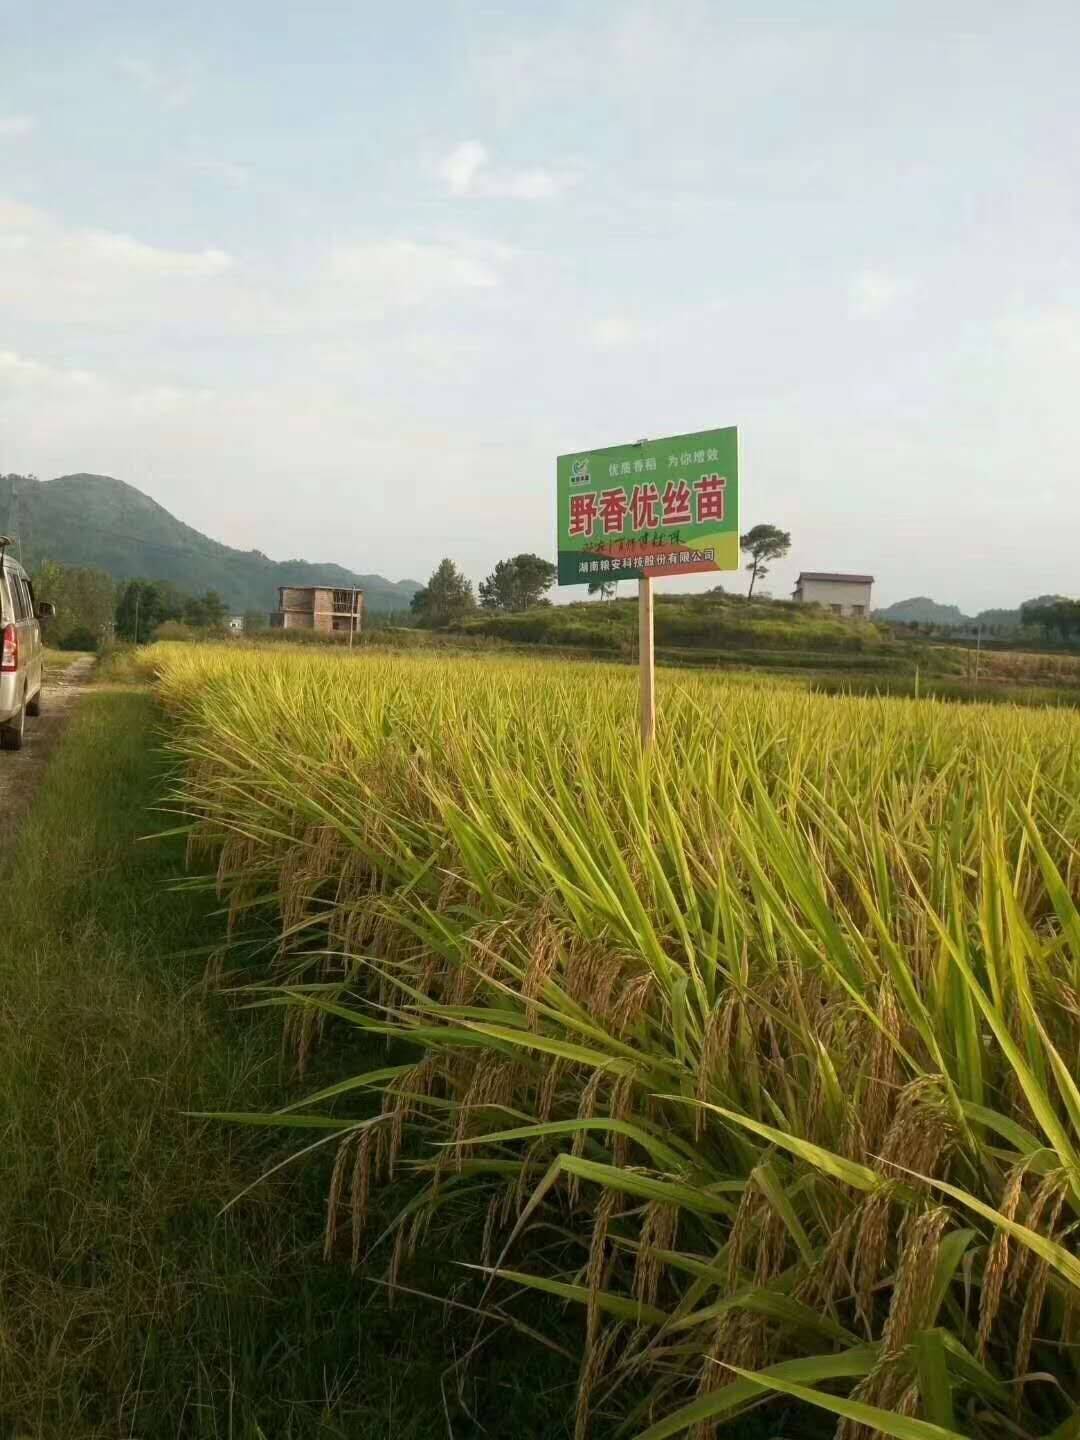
(11, 734)
(33, 707)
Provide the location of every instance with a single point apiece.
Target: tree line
(519, 583)
(1057, 618)
(91, 607)
(1053, 618)
(143, 605)
(522, 581)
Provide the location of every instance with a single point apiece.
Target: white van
(22, 655)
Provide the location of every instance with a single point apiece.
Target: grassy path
(120, 1286)
(128, 1305)
(21, 770)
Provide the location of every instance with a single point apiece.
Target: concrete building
(235, 624)
(842, 594)
(319, 607)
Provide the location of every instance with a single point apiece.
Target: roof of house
(345, 589)
(835, 578)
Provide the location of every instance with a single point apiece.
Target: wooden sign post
(646, 660)
(648, 511)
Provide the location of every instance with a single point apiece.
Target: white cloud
(463, 165)
(168, 88)
(120, 287)
(123, 251)
(14, 364)
(32, 391)
(467, 172)
(531, 185)
(14, 212)
(873, 292)
(111, 401)
(51, 274)
(613, 331)
(407, 272)
(229, 172)
(531, 64)
(15, 125)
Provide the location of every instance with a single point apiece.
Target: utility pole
(138, 597)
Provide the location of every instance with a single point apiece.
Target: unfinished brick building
(319, 607)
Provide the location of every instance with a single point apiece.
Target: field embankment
(758, 1052)
(805, 643)
(706, 629)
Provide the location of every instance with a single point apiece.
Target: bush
(176, 630)
(79, 637)
(702, 622)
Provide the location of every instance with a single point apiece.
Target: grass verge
(56, 661)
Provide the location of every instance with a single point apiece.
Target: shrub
(176, 630)
(79, 637)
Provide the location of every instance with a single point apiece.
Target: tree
(171, 599)
(606, 589)
(140, 608)
(143, 605)
(1053, 615)
(763, 543)
(497, 590)
(205, 612)
(215, 609)
(446, 597)
(517, 584)
(84, 599)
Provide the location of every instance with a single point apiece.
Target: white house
(842, 594)
(236, 624)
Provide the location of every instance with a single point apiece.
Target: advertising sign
(650, 509)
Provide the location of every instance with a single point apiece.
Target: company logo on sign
(579, 472)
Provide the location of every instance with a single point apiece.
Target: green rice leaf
(853, 1364)
(902, 1427)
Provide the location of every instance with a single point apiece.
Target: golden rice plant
(761, 1048)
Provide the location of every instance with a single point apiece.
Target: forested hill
(921, 610)
(96, 520)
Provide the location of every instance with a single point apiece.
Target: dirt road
(20, 770)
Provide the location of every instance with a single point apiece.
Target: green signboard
(656, 508)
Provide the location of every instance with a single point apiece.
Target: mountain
(1000, 619)
(96, 520)
(921, 610)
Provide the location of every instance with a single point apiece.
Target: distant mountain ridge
(921, 610)
(100, 521)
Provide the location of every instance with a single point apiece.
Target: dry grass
(1030, 667)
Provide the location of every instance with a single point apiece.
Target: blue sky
(341, 280)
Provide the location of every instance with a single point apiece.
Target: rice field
(759, 1052)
